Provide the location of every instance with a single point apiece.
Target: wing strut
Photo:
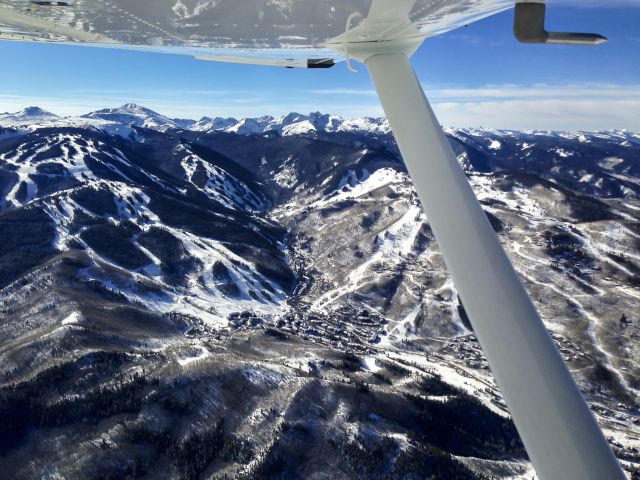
(558, 430)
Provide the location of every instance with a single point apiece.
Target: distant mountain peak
(131, 106)
(132, 114)
(36, 111)
(134, 107)
(26, 116)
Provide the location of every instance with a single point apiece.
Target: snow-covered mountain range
(264, 297)
(114, 119)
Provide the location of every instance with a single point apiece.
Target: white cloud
(545, 114)
(565, 107)
(344, 91)
(537, 91)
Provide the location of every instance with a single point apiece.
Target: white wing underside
(246, 31)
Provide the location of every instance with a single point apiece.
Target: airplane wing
(271, 32)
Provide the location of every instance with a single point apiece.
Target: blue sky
(475, 76)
